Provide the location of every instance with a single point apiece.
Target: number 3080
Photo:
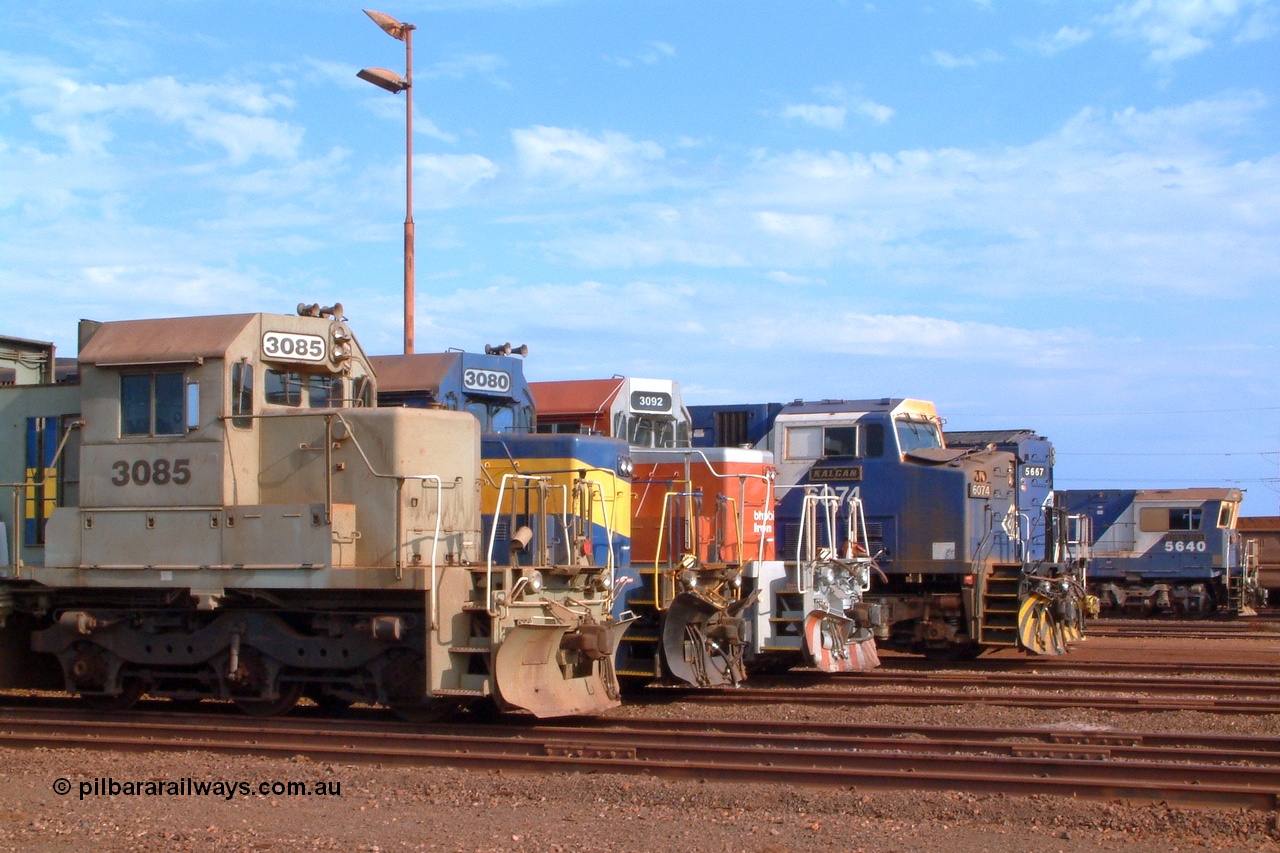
(160, 472)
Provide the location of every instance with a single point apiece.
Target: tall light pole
(395, 84)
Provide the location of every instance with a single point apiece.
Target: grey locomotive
(213, 507)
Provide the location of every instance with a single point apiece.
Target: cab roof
(164, 341)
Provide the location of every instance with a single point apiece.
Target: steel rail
(696, 752)
(1157, 685)
(930, 697)
(1026, 665)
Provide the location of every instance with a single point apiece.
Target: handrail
(493, 526)
(400, 481)
(830, 502)
(19, 513)
(768, 478)
(608, 511)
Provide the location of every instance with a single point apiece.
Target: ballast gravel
(75, 799)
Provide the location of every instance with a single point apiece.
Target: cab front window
(917, 434)
(312, 390)
(645, 431)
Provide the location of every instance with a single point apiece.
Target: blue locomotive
(1167, 551)
(490, 386)
(958, 570)
(1033, 478)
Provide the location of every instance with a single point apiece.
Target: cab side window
(241, 394)
(152, 404)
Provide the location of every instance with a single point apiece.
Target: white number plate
(293, 346)
(486, 381)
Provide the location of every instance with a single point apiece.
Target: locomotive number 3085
(160, 472)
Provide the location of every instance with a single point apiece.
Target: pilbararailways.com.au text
(188, 787)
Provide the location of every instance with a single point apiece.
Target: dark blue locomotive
(1033, 478)
(958, 570)
(1166, 551)
(490, 386)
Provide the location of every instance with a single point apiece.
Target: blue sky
(1063, 216)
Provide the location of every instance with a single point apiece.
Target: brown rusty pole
(395, 84)
(408, 190)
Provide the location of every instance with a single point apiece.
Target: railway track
(1246, 628)
(1190, 770)
(1070, 663)
(1046, 690)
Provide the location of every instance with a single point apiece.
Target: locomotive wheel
(186, 705)
(485, 710)
(328, 703)
(282, 704)
(131, 690)
(425, 711)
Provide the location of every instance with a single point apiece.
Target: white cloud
(817, 115)
(444, 177)
(832, 116)
(628, 313)
(1064, 39)
(786, 278)
(230, 116)
(1123, 205)
(879, 113)
(946, 59)
(610, 161)
(651, 53)
(1177, 29)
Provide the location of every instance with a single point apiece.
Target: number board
(650, 401)
(1035, 470)
(484, 381)
(979, 490)
(829, 474)
(293, 346)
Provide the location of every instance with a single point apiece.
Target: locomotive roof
(1192, 494)
(1259, 524)
(414, 372)
(883, 404)
(164, 341)
(1201, 494)
(575, 396)
(990, 436)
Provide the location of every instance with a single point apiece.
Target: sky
(1059, 216)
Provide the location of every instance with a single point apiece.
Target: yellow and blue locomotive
(220, 510)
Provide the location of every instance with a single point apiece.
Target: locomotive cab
(489, 386)
(641, 412)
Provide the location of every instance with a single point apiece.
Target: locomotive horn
(498, 349)
(335, 312)
(305, 310)
(521, 350)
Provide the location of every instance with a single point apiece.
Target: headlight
(626, 466)
(535, 581)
